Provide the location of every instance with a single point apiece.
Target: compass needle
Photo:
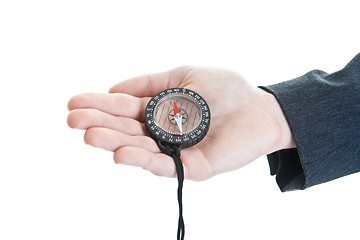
(178, 117)
(176, 110)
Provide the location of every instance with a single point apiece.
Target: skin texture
(246, 122)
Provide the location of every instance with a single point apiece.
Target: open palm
(246, 122)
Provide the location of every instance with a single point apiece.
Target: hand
(246, 122)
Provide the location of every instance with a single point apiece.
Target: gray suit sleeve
(323, 112)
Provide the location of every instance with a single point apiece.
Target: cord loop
(174, 152)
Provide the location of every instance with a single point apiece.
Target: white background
(53, 186)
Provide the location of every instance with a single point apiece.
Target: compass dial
(177, 116)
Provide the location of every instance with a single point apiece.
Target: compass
(177, 116)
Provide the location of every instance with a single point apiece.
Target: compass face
(177, 116)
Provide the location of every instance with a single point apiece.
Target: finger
(87, 118)
(118, 104)
(111, 140)
(149, 85)
(157, 163)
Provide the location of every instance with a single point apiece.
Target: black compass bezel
(185, 140)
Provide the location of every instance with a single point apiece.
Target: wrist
(281, 135)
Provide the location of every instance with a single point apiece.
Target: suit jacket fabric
(323, 112)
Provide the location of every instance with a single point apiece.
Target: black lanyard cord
(174, 152)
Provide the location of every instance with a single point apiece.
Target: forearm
(323, 112)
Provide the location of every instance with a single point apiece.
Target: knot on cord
(169, 150)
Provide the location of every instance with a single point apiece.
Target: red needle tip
(176, 110)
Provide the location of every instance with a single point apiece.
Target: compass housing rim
(181, 141)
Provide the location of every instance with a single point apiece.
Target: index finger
(115, 104)
(150, 84)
